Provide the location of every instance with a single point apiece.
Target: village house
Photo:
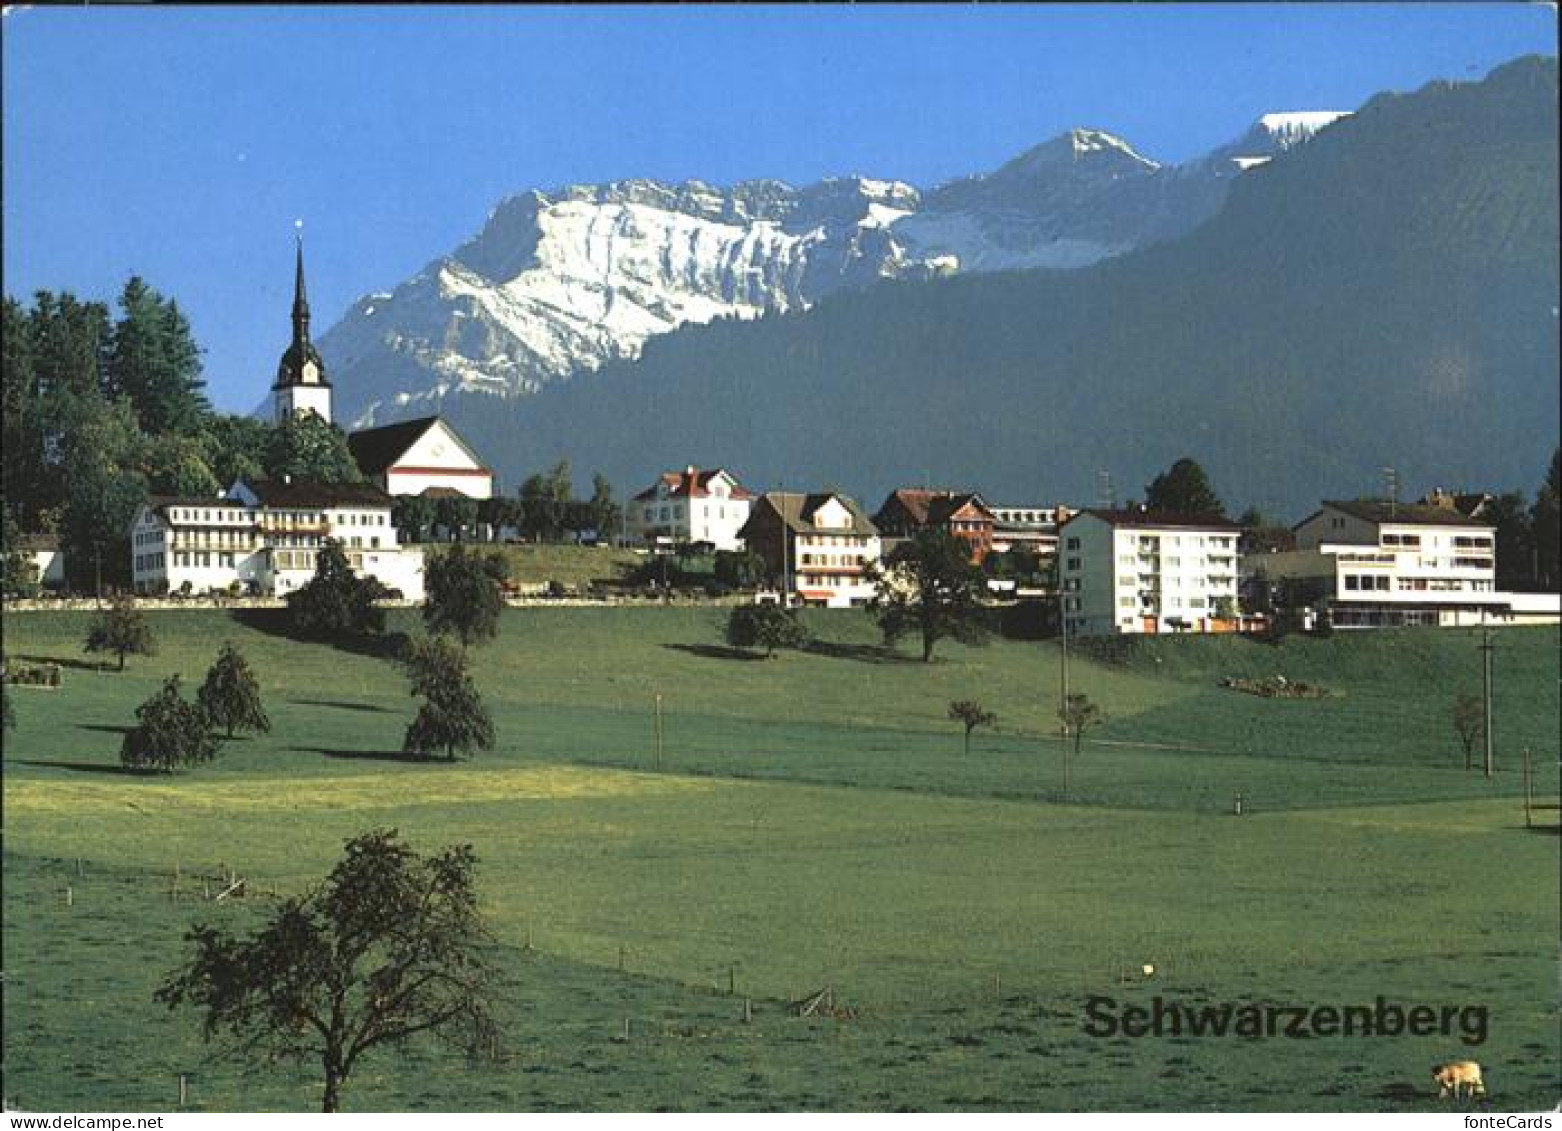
(1369, 563)
(47, 559)
(907, 511)
(693, 505)
(262, 537)
(820, 549)
(1136, 571)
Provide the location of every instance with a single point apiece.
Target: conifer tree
(1183, 489)
(154, 362)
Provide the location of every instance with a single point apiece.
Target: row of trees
(99, 412)
(544, 509)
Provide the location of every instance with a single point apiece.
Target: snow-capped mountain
(562, 281)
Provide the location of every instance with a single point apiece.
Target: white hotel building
(1373, 563)
(262, 538)
(1134, 571)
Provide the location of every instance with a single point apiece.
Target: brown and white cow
(1457, 1075)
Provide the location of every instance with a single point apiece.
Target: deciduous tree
(231, 694)
(391, 945)
(971, 714)
(765, 626)
(170, 732)
(463, 595)
(336, 602)
(306, 447)
(929, 587)
(452, 716)
(1079, 714)
(1469, 724)
(121, 629)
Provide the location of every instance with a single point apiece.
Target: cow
(1457, 1074)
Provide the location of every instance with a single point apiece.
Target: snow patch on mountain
(560, 282)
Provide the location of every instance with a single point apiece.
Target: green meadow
(810, 822)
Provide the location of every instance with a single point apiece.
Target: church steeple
(301, 384)
(300, 300)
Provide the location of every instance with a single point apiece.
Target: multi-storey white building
(1374, 563)
(821, 549)
(262, 537)
(1128, 571)
(692, 505)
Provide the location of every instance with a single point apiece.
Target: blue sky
(182, 143)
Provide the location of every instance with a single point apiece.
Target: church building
(410, 457)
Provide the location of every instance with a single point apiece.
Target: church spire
(301, 384)
(300, 300)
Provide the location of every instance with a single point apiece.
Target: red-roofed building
(692, 505)
(961, 513)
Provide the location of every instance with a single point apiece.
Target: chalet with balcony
(819, 549)
(907, 511)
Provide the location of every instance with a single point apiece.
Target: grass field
(812, 822)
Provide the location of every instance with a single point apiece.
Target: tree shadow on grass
(342, 705)
(716, 652)
(77, 767)
(276, 622)
(862, 653)
(374, 755)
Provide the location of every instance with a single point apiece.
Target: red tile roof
(692, 482)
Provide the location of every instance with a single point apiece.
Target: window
(1352, 581)
(1073, 563)
(1073, 544)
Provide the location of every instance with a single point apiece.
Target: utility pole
(1063, 690)
(1486, 650)
(786, 568)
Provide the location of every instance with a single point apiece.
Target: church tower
(301, 384)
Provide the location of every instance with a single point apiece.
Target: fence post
(1529, 799)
